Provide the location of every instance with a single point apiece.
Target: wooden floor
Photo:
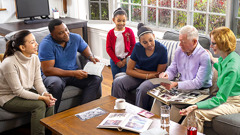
(106, 90)
(107, 81)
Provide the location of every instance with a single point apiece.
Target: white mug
(120, 103)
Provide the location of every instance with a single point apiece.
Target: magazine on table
(177, 96)
(126, 121)
(94, 69)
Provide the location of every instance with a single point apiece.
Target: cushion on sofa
(71, 91)
(227, 124)
(2, 44)
(39, 34)
(2, 47)
(5, 115)
(171, 48)
(204, 40)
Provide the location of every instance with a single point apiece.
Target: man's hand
(188, 110)
(94, 60)
(166, 85)
(163, 75)
(169, 86)
(80, 74)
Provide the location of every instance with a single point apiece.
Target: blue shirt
(195, 70)
(65, 57)
(151, 63)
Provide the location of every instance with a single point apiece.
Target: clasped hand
(49, 99)
(122, 63)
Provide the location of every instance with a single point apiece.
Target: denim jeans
(115, 69)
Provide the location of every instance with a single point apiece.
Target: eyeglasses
(213, 44)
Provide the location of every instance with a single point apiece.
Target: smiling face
(60, 33)
(120, 21)
(186, 45)
(30, 46)
(148, 41)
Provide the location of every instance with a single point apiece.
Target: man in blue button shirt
(58, 54)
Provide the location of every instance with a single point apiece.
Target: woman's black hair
(119, 11)
(143, 29)
(15, 41)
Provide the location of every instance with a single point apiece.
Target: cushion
(238, 47)
(70, 92)
(5, 115)
(204, 40)
(2, 44)
(171, 48)
(39, 33)
(230, 122)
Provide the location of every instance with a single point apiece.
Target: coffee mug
(120, 103)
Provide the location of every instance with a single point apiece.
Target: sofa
(71, 96)
(221, 125)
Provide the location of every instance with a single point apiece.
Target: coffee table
(66, 123)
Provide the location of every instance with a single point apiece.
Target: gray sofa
(221, 125)
(71, 96)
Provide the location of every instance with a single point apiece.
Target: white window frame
(100, 2)
(190, 11)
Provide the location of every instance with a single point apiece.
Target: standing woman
(148, 59)
(227, 99)
(19, 75)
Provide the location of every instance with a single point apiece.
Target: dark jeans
(115, 69)
(56, 85)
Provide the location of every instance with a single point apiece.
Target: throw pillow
(171, 48)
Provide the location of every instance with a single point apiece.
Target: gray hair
(190, 31)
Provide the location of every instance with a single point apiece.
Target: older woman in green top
(227, 99)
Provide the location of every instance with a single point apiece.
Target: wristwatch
(91, 55)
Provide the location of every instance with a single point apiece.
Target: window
(236, 20)
(98, 10)
(205, 15)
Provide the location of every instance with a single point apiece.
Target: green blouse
(228, 81)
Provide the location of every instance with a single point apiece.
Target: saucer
(115, 108)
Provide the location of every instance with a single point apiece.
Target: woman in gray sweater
(19, 76)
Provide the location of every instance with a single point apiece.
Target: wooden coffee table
(66, 123)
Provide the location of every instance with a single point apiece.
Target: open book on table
(94, 69)
(126, 121)
(177, 96)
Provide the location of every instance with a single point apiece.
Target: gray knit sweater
(19, 74)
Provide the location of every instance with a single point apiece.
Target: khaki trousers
(174, 112)
(230, 107)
